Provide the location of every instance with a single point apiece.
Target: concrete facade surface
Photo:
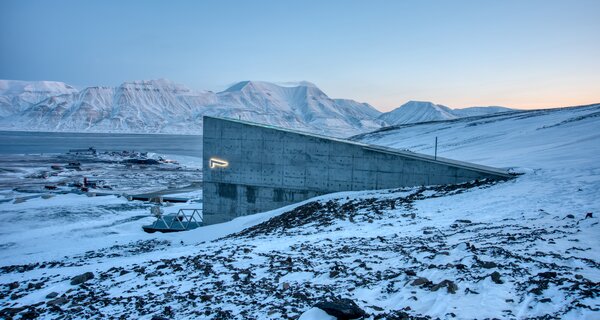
(250, 168)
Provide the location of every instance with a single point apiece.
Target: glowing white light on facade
(217, 163)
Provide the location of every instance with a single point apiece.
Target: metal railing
(182, 219)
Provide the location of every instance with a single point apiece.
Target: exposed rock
(420, 281)
(399, 315)
(81, 278)
(33, 285)
(168, 311)
(58, 301)
(8, 313)
(30, 314)
(469, 290)
(488, 264)
(205, 297)
(570, 216)
(376, 308)
(450, 286)
(52, 295)
(547, 275)
(496, 277)
(13, 285)
(141, 161)
(537, 291)
(342, 309)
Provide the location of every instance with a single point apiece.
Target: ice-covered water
(26, 159)
(16, 142)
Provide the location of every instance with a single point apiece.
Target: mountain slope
(138, 107)
(161, 106)
(300, 107)
(423, 111)
(417, 111)
(16, 96)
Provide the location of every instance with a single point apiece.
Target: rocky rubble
(379, 254)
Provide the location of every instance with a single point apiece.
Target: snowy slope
(161, 106)
(423, 111)
(497, 139)
(300, 107)
(479, 111)
(16, 96)
(517, 249)
(417, 111)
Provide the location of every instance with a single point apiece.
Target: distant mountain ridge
(16, 96)
(163, 106)
(424, 111)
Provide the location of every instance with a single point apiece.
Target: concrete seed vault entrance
(250, 168)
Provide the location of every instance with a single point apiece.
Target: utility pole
(435, 155)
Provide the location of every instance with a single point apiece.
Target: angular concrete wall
(258, 168)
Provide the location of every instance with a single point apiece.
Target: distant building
(250, 168)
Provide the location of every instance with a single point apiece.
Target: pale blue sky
(523, 54)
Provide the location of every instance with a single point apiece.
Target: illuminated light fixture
(217, 163)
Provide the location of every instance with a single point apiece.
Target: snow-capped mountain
(302, 107)
(424, 111)
(417, 111)
(140, 106)
(16, 96)
(161, 106)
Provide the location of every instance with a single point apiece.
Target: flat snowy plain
(516, 249)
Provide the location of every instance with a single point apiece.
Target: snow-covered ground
(516, 249)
